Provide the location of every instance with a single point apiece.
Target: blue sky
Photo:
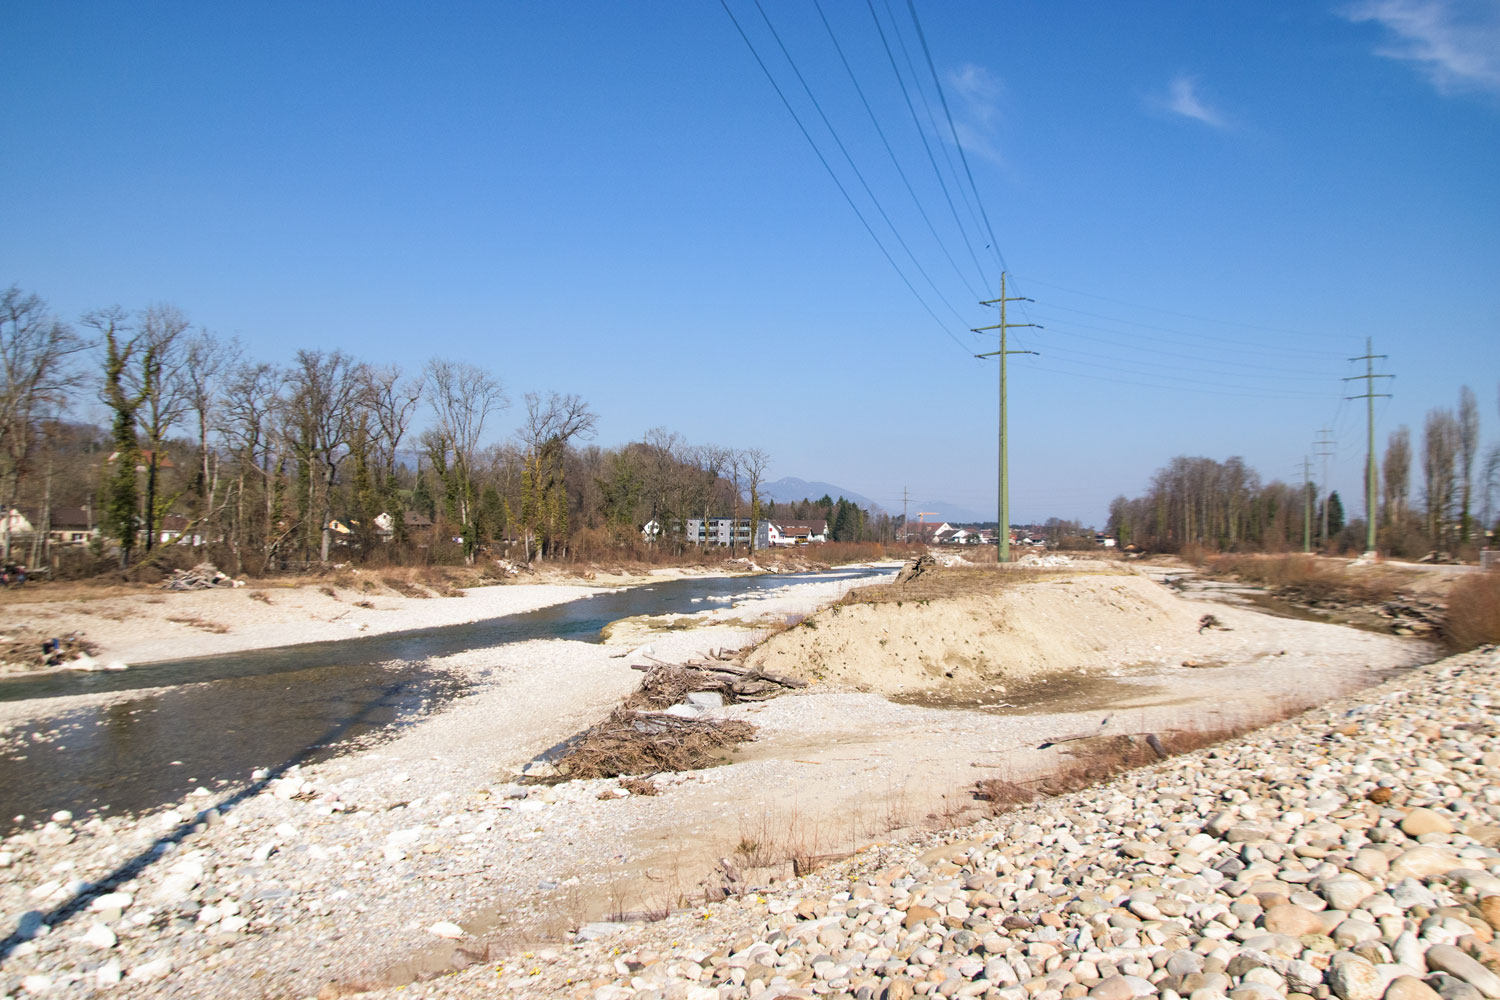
(1212, 205)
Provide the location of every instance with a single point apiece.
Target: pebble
(1446, 958)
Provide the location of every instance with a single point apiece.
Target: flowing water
(209, 721)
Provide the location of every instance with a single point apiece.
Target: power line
(1182, 315)
(917, 123)
(1208, 389)
(837, 183)
(1323, 355)
(818, 106)
(896, 162)
(922, 37)
(1279, 374)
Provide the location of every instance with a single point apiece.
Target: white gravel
(355, 872)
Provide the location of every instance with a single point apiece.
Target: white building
(721, 530)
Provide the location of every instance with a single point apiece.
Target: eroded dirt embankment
(988, 645)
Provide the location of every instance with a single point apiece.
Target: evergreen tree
(421, 496)
(1335, 514)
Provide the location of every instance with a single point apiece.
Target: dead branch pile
(204, 576)
(666, 684)
(30, 652)
(631, 742)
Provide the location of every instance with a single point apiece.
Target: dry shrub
(1474, 611)
(404, 586)
(1095, 760)
(1312, 578)
(259, 595)
(328, 592)
(1195, 553)
(364, 604)
(632, 743)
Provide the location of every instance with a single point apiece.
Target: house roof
(415, 519)
(63, 518)
(72, 519)
(818, 527)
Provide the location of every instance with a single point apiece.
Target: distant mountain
(790, 489)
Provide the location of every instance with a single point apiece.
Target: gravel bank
(1349, 852)
(421, 856)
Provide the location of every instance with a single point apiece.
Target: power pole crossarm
(1002, 538)
(1369, 395)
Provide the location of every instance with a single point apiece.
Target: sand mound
(983, 643)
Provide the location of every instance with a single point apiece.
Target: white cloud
(1455, 43)
(1183, 99)
(977, 114)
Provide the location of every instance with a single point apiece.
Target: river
(209, 721)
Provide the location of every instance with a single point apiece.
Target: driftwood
(204, 576)
(666, 684)
(32, 651)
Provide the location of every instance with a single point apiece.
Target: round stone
(1354, 979)
(1292, 920)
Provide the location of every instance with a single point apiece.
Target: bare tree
(1468, 447)
(1397, 472)
(710, 460)
(663, 453)
(251, 398)
(552, 421)
(753, 464)
(323, 390)
(1439, 449)
(36, 373)
(463, 397)
(207, 364)
(392, 400)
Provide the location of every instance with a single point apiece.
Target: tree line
(1226, 506)
(271, 465)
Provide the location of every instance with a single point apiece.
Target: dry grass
(218, 628)
(1313, 578)
(1100, 758)
(405, 587)
(630, 743)
(954, 581)
(1474, 611)
(259, 595)
(328, 592)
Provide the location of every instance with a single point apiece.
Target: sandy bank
(142, 628)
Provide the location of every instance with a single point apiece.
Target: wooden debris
(666, 684)
(633, 743)
(204, 576)
(31, 652)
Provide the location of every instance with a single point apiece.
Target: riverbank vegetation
(1196, 502)
(326, 459)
